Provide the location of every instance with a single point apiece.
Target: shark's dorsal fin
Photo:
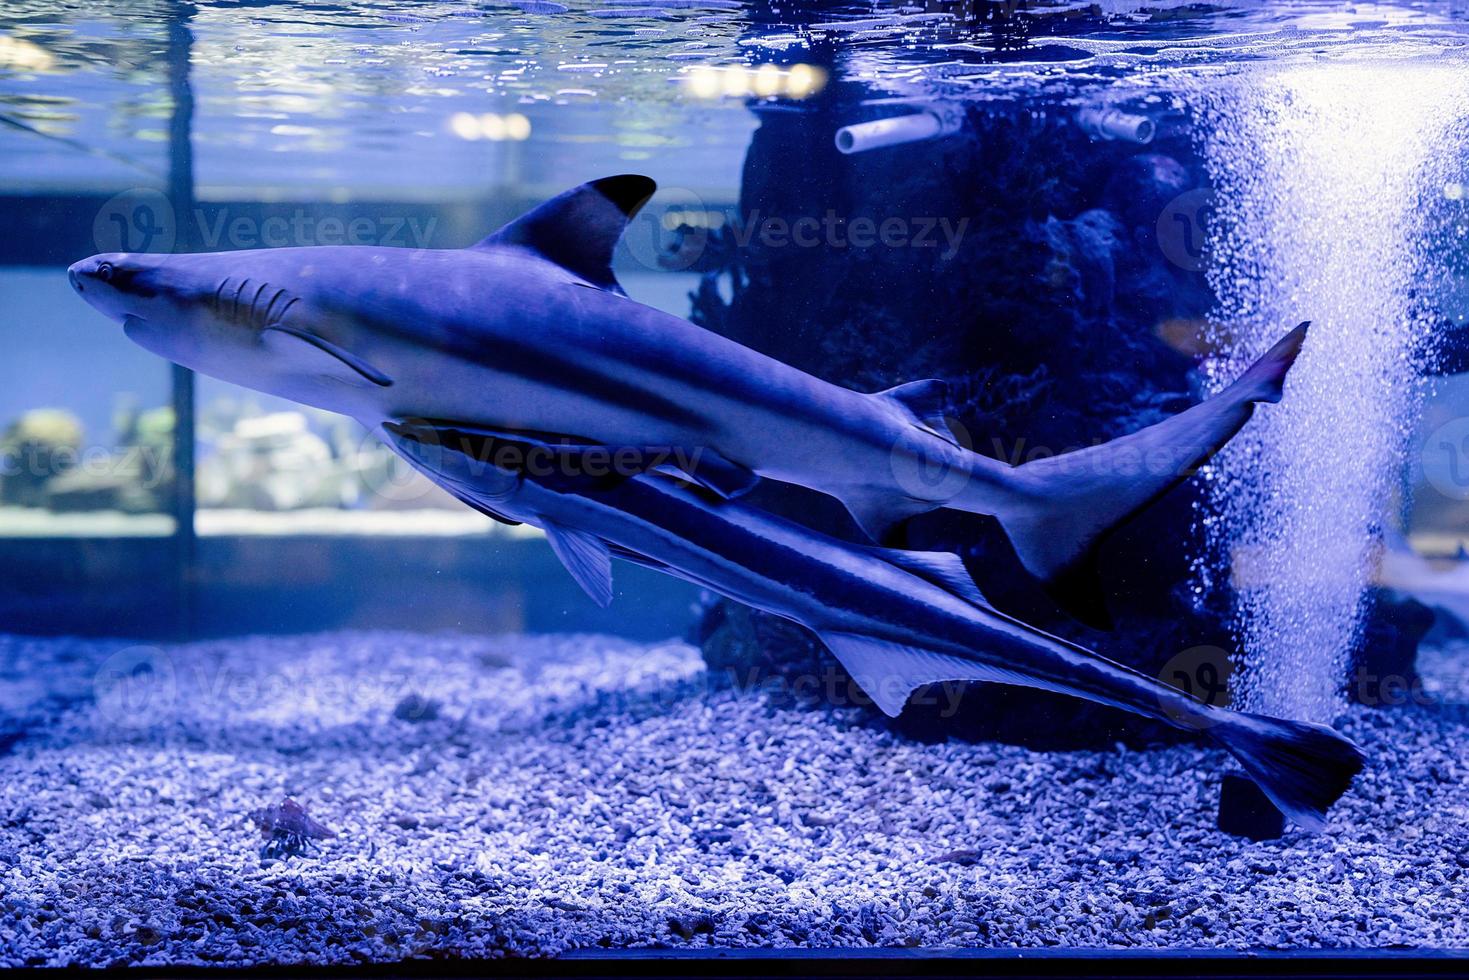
(579, 229)
(943, 568)
(586, 557)
(925, 401)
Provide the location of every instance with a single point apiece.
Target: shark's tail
(1303, 768)
(1068, 503)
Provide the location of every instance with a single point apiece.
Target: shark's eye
(104, 271)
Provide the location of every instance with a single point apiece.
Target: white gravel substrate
(582, 791)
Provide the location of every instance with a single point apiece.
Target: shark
(529, 335)
(897, 620)
(516, 374)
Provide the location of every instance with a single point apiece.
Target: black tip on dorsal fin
(579, 229)
(628, 191)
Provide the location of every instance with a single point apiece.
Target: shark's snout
(96, 269)
(107, 282)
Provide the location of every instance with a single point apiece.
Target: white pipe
(1114, 124)
(933, 121)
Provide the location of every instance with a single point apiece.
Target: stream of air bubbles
(1327, 177)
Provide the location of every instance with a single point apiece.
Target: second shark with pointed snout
(896, 620)
(528, 334)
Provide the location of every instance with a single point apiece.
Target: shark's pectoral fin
(714, 472)
(319, 356)
(470, 481)
(579, 229)
(586, 557)
(890, 672)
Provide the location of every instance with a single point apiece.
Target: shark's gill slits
(216, 302)
(259, 307)
(277, 318)
(235, 303)
(267, 315)
(253, 314)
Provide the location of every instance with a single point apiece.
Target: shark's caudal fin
(579, 229)
(1067, 503)
(1303, 768)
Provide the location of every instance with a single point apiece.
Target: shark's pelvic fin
(579, 229)
(890, 672)
(586, 557)
(328, 359)
(879, 512)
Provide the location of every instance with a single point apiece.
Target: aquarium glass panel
(266, 466)
(869, 482)
(90, 452)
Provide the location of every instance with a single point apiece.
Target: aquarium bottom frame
(888, 963)
(862, 964)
